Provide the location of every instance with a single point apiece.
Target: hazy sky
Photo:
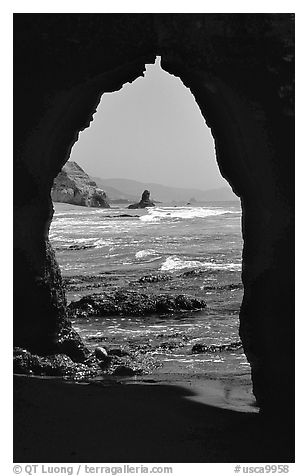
(150, 131)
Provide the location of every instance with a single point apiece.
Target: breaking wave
(147, 256)
(184, 213)
(173, 263)
(145, 253)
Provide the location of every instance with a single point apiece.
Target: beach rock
(133, 364)
(101, 353)
(73, 185)
(79, 247)
(122, 215)
(202, 348)
(99, 338)
(119, 362)
(170, 345)
(223, 287)
(192, 273)
(122, 362)
(59, 365)
(123, 370)
(144, 202)
(132, 303)
(70, 343)
(119, 352)
(152, 278)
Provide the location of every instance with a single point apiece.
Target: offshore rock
(132, 303)
(154, 278)
(202, 348)
(144, 202)
(73, 185)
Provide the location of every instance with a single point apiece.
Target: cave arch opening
(242, 81)
(186, 244)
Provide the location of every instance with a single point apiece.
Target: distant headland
(73, 185)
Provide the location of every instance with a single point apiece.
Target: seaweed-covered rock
(101, 353)
(154, 278)
(70, 343)
(115, 362)
(202, 348)
(193, 272)
(119, 352)
(124, 370)
(51, 365)
(133, 364)
(132, 303)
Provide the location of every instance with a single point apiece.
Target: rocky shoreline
(118, 296)
(86, 282)
(118, 361)
(102, 360)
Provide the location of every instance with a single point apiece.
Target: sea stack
(144, 202)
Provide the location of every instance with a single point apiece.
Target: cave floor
(151, 421)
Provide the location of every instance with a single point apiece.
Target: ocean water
(196, 247)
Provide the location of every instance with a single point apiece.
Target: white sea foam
(145, 253)
(173, 263)
(161, 213)
(148, 256)
(80, 240)
(103, 242)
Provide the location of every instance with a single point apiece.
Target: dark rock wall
(239, 67)
(243, 86)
